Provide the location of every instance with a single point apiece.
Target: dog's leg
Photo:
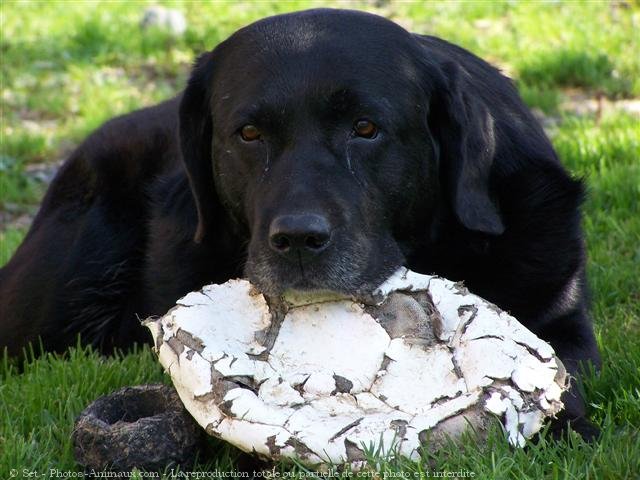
(572, 338)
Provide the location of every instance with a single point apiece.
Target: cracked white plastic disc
(321, 377)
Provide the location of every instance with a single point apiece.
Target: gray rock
(167, 19)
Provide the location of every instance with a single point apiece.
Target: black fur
(460, 180)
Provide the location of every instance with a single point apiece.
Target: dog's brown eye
(250, 133)
(365, 128)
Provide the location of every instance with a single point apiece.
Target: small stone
(167, 19)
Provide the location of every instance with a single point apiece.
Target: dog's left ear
(196, 132)
(463, 128)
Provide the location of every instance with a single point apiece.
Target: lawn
(68, 66)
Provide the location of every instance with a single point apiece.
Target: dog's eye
(250, 133)
(365, 128)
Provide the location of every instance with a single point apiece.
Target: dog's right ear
(196, 130)
(463, 127)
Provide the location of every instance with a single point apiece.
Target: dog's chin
(274, 279)
(274, 283)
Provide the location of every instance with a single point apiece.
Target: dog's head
(332, 139)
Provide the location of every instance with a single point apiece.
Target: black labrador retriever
(314, 150)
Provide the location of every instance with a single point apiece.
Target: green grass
(40, 400)
(10, 238)
(68, 66)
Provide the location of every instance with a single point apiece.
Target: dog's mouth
(277, 277)
(302, 282)
(354, 271)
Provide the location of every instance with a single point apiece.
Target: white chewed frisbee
(321, 377)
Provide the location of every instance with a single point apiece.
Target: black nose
(307, 233)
